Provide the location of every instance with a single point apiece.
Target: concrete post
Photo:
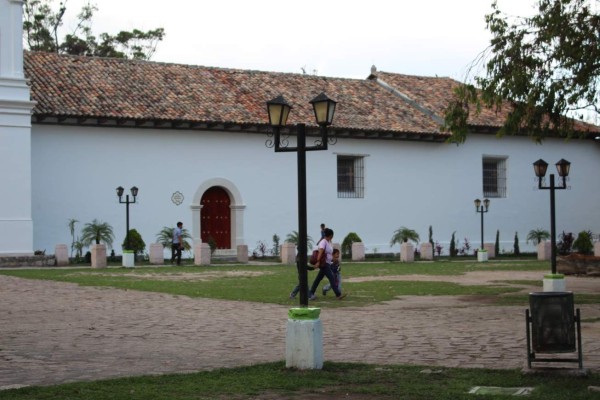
(358, 251)
(407, 252)
(128, 259)
(426, 251)
(597, 249)
(61, 253)
(242, 253)
(288, 253)
(202, 254)
(157, 254)
(99, 256)
(491, 249)
(544, 250)
(304, 339)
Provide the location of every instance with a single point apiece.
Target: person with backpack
(326, 252)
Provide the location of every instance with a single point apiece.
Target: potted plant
(403, 235)
(132, 245)
(95, 233)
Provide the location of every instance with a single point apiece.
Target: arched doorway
(215, 217)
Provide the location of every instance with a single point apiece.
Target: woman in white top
(325, 250)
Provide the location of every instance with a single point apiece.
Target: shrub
(347, 243)
(133, 241)
(584, 244)
(212, 243)
(565, 244)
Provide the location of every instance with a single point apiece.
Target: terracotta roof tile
(128, 89)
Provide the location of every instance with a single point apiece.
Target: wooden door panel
(215, 217)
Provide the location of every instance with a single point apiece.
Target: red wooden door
(215, 217)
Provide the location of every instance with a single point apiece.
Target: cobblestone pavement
(54, 332)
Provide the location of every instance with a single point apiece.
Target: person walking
(177, 243)
(336, 268)
(325, 250)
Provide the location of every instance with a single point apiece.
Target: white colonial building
(192, 139)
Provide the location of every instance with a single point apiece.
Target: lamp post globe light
(563, 167)
(482, 209)
(127, 202)
(279, 111)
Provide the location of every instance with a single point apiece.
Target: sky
(336, 38)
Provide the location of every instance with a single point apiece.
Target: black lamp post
(134, 193)
(279, 110)
(563, 167)
(482, 209)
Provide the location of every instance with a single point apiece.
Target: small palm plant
(165, 237)
(403, 235)
(537, 235)
(97, 232)
(294, 238)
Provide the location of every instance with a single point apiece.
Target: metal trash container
(553, 327)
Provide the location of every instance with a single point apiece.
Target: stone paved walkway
(53, 332)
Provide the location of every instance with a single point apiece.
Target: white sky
(338, 38)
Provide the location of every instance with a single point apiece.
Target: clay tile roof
(72, 86)
(435, 93)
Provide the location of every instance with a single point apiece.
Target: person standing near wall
(177, 243)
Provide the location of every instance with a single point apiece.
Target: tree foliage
(403, 235)
(97, 232)
(544, 70)
(41, 33)
(165, 237)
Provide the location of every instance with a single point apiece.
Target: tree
(72, 222)
(97, 232)
(537, 235)
(403, 235)
(41, 25)
(543, 72)
(293, 238)
(516, 248)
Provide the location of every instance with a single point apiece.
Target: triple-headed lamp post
(279, 110)
(540, 167)
(134, 193)
(482, 209)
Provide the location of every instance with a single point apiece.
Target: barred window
(350, 176)
(494, 176)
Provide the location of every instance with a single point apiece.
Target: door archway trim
(236, 204)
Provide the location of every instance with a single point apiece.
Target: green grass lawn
(273, 283)
(334, 381)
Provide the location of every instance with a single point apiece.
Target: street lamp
(134, 193)
(563, 167)
(279, 110)
(482, 209)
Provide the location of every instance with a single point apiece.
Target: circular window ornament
(177, 198)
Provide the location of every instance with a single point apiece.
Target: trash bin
(555, 326)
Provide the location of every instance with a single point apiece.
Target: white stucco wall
(16, 228)
(413, 184)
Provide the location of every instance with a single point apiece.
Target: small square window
(350, 176)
